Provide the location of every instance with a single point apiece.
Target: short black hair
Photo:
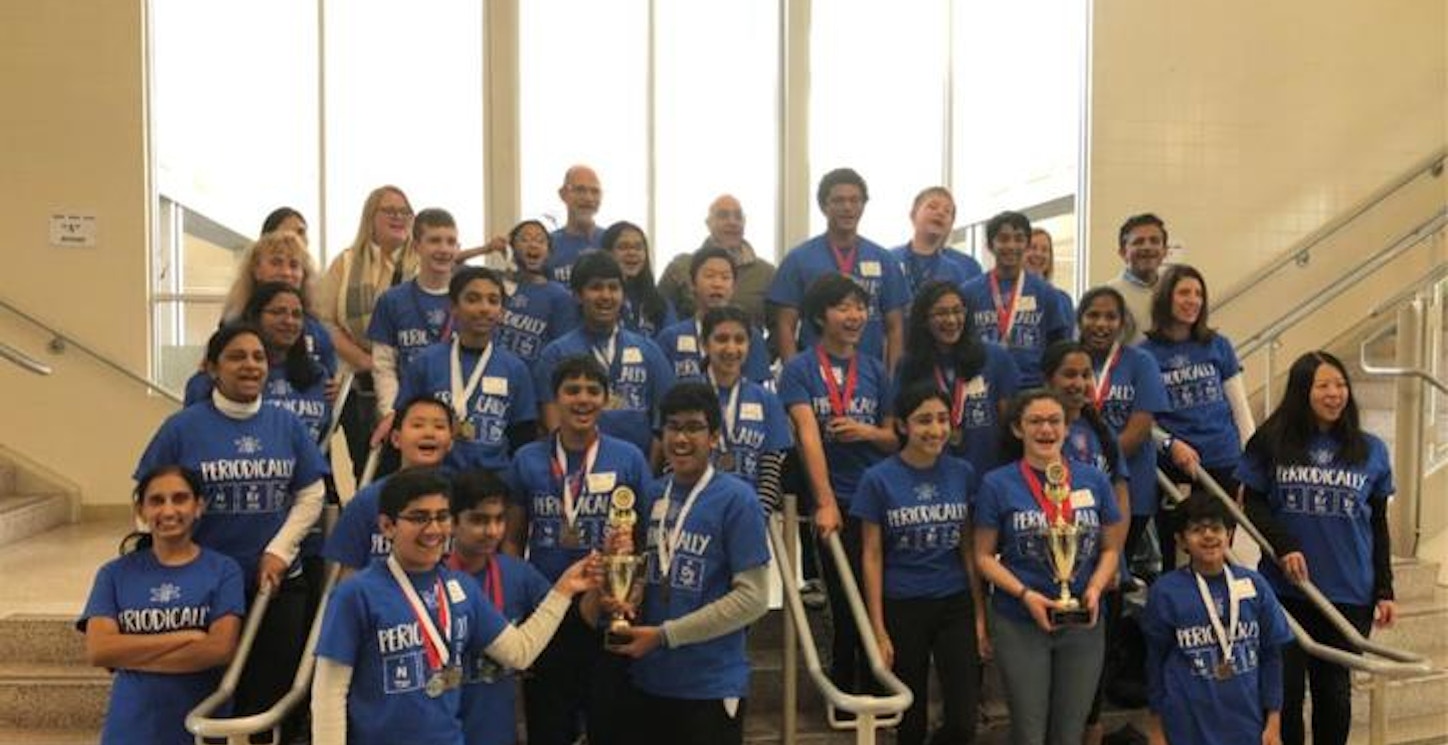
(467, 274)
(1002, 219)
(473, 487)
(422, 399)
(1201, 507)
(723, 314)
(593, 265)
(692, 395)
(1136, 221)
(838, 177)
(584, 366)
(914, 394)
(827, 291)
(711, 252)
(405, 487)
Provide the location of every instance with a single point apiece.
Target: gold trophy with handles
(621, 572)
(1063, 539)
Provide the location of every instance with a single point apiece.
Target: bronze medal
(1225, 670)
(436, 686)
(571, 537)
(725, 461)
(467, 430)
(957, 436)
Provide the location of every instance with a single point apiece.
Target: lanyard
(729, 410)
(839, 400)
(572, 488)
(1054, 512)
(606, 354)
(1103, 376)
(845, 259)
(957, 396)
(435, 645)
(670, 539)
(1005, 313)
(1234, 602)
(462, 392)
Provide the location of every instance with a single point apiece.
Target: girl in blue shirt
(977, 377)
(921, 588)
(645, 311)
(1208, 419)
(839, 401)
(1050, 671)
(1317, 486)
(164, 618)
(756, 432)
(538, 310)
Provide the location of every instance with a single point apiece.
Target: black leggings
(1331, 683)
(657, 720)
(945, 629)
(574, 686)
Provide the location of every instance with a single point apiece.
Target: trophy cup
(1063, 542)
(621, 571)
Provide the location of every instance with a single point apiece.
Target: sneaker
(812, 595)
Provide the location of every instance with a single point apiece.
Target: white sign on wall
(73, 231)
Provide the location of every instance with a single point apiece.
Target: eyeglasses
(424, 519)
(1044, 421)
(401, 212)
(947, 314)
(688, 428)
(283, 313)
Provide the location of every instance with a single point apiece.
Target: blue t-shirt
(632, 317)
(801, 382)
(490, 693)
(356, 540)
(250, 469)
(760, 426)
(1183, 652)
(684, 347)
(1135, 385)
(319, 345)
(1193, 375)
(565, 251)
(947, 264)
(370, 627)
(409, 319)
(143, 596)
(534, 487)
(1038, 320)
(310, 406)
(723, 534)
(536, 313)
(1328, 506)
(921, 513)
(639, 375)
(503, 398)
(875, 269)
(1005, 504)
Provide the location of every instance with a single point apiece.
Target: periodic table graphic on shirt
(166, 592)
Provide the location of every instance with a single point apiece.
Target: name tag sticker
(687, 344)
(658, 511)
(751, 412)
(976, 386)
(1244, 588)
(1026, 302)
(495, 386)
(632, 356)
(455, 591)
(869, 268)
(1082, 499)
(602, 482)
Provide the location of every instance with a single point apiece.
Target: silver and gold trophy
(621, 571)
(1063, 540)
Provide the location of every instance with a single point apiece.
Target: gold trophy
(621, 571)
(1063, 542)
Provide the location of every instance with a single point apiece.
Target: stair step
(1419, 626)
(1408, 697)
(1414, 580)
(17, 736)
(24, 516)
(1428, 729)
(40, 696)
(41, 639)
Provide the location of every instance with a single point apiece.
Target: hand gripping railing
(1397, 663)
(871, 712)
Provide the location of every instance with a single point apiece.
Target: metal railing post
(1378, 711)
(1408, 427)
(789, 708)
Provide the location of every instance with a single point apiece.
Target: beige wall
(1247, 125)
(74, 124)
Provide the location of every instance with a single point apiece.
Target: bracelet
(1025, 590)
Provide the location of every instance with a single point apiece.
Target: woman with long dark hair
(1317, 486)
(645, 311)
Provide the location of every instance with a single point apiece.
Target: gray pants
(1050, 679)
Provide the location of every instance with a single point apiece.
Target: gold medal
(436, 686)
(452, 677)
(467, 430)
(957, 436)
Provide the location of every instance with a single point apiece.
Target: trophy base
(1079, 616)
(617, 635)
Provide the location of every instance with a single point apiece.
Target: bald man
(581, 194)
(752, 274)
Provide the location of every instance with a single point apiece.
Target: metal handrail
(1401, 662)
(23, 360)
(1437, 275)
(1412, 238)
(1299, 253)
(1398, 372)
(60, 341)
(870, 711)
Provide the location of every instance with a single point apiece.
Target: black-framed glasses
(443, 518)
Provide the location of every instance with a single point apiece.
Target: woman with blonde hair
(281, 256)
(378, 258)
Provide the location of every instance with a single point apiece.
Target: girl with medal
(280, 255)
(1208, 417)
(538, 310)
(711, 273)
(262, 484)
(708, 581)
(921, 587)
(1128, 392)
(977, 377)
(755, 431)
(394, 637)
(163, 617)
(1317, 486)
(490, 391)
(509, 584)
(1215, 634)
(1050, 670)
(839, 401)
(645, 311)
